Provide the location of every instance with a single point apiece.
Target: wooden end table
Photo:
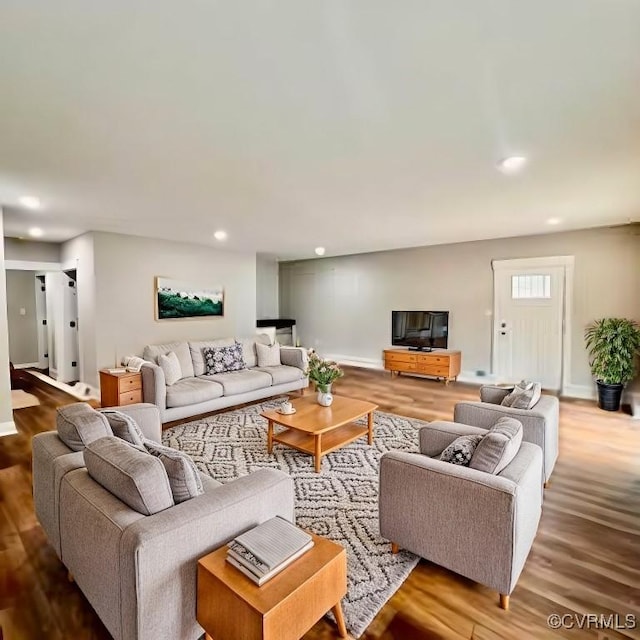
(318, 430)
(232, 607)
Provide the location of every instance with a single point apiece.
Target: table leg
(318, 452)
(270, 437)
(337, 612)
(370, 425)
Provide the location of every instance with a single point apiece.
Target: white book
(275, 571)
(273, 541)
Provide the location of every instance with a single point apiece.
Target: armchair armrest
(493, 394)
(154, 385)
(485, 414)
(294, 357)
(147, 417)
(438, 435)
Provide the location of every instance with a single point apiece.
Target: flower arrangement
(322, 372)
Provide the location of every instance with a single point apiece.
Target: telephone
(133, 363)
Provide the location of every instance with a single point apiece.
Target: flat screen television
(420, 330)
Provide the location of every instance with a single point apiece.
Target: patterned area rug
(341, 503)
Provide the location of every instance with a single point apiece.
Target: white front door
(528, 321)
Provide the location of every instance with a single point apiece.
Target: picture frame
(181, 300)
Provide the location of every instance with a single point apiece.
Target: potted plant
(613, 345)
(323, 373)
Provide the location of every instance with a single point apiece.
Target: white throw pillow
(268, 355)
(170, 365)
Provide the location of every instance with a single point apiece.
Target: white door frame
(567, 263)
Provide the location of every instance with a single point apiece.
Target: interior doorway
(531, 320)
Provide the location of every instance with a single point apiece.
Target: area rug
(341, 503)
(21, 399)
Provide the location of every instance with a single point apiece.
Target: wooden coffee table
(318, 430)
(231, 607)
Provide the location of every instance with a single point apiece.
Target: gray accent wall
(23, 329)
(343, 305)
(6, 413)
(116, 295)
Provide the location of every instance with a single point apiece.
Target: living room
(346, 189)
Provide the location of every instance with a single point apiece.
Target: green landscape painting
(181, 300)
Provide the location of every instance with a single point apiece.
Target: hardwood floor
(585, 559)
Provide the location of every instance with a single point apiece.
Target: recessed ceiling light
(30, 202)
(36, 232)
(220, 235)
(512, 164)
(319, 251)
(554, 221)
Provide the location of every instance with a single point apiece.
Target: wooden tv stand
(441, 363)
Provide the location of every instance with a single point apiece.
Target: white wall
(28, 250)
(125, 271)
(23, 330)
(267, 294)
(343, 305)
(6, 414)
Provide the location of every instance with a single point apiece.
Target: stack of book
(267, 549)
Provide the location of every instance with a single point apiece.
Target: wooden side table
(119, 389)
(231, 607)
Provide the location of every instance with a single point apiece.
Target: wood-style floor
(585, 560)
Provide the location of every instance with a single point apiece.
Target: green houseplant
(613, 345)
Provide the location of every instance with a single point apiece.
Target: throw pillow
(524, 395)
(498, 447)
(170, 366)
(124, 427)
(131, 474)
(268, 355)
(223, 359)
(79, 424)
(461, 450)
(184, 478)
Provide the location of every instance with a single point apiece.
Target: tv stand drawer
(400, 356)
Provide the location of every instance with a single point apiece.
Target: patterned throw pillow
(461, 450)
(223, 359)
(524, 395)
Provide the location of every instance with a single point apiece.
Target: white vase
(324, 396)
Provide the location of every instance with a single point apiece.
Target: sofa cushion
(170, 366)
(461, 450)
(498, 446)
(124, 426)
(197, 356)
(79, 424)
(222, 359)
(283, 373)
(235, 382)
(181, 349)
(131, 474)
(183, 475)
(524, 395)
(268, 355)
(192, 391)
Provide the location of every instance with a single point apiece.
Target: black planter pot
(609, 396)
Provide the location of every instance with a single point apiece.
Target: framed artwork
(176, 299)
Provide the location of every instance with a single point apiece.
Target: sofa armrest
(147, 417)
(493, 394)
(154, 385)
(160, 552)
(457, 517)
(294, 357)
(438, 435)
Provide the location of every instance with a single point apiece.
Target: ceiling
(357, 125)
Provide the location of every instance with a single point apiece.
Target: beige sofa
(138, 571)
(197, 392)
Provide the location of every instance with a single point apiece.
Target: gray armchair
(540, 424)
(476, 524)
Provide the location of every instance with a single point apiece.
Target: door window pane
(530, 286)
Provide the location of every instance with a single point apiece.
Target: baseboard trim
(354, 361)
(8, 428)
(579, 391)
(26, 365)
